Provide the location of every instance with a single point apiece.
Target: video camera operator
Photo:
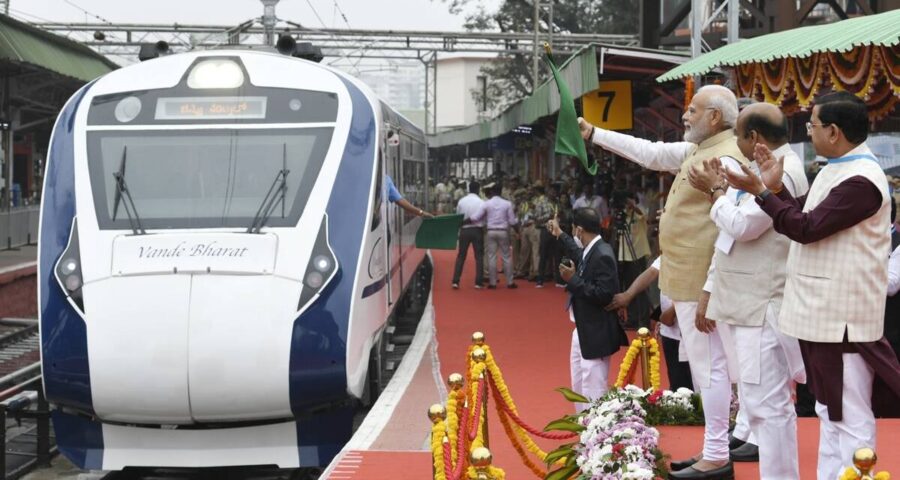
(632, 248)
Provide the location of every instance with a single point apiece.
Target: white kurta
(768, 359)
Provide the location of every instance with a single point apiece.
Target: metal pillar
(269, 20)
(534, 50)
(650, 22)
(703, 15)
(697, 20)
(430, 62)
(734, 11)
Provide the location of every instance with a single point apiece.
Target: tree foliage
(509, 77)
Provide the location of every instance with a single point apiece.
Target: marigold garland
(453, 422)
(497, 377)
(626, 370)
(852, 474)
(655, 377)
(495, 473)
(437, 450)
(507, 427)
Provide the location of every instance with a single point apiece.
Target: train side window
(377, 196)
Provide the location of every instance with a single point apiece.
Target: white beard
(697, 134)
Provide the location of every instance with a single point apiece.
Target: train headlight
(73, 283)
(216, 73)
(322, 263)
(314, 280)
(69, 265)
(321, 269)
(68, 269)
(128, 109)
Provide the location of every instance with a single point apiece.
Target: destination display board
(210, 108)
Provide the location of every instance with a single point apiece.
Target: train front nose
(138, 348)
(209, 331)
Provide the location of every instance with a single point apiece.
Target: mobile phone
(567, 262)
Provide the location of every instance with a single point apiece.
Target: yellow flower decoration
(634, 350)
(437, 450)
(494, 473)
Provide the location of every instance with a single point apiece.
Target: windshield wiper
(122, 190)
(276, 193)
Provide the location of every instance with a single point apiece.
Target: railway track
(20, 354)
(27, 436)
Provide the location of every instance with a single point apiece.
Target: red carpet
(529, 333)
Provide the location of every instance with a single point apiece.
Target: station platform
(529, 333)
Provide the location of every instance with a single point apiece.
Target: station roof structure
(26, 46)
(871, 30)
(583, 72)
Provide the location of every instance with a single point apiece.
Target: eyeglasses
(810, 125)
(692, 110)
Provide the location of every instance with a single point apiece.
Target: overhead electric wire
(98, 17)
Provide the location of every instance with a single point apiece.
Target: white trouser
(709, 367)
(838, 440)
(589, 377)
(742, 429)
(499, 240)
(765, 388)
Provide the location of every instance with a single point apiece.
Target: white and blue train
(218, 259)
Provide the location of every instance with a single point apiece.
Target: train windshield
(204, 178)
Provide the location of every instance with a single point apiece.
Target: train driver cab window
(204, 179)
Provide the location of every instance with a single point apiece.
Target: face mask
(578, 241)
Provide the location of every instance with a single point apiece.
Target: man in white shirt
(471, 233)
(745, 287)
(589, 200)
(498, 215)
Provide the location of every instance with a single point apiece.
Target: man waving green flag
(568, 136)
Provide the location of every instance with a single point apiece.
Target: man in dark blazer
(589, 271)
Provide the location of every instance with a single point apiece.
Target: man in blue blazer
(591, 281)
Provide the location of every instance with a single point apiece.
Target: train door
(393, 217)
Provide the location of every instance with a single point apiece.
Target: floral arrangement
(616, 438)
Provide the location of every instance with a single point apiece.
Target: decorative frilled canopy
(860, 55)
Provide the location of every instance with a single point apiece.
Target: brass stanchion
(644, 336)
(436, 413)
(864, 460)
(479, 356)
(455, 381)
(478, 338)
(481, 459)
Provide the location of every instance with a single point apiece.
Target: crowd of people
(519, 235)
(767, 279)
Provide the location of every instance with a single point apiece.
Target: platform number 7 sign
(610, 105)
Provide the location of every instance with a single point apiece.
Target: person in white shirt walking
(745, 288)
(499, 216)
(471, 233)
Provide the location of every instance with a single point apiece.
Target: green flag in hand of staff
(568, 135)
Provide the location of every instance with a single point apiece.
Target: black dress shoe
(682, 464)
(725, 472)
(747, 452)
(734, 442)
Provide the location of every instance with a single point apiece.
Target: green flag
(568, 135)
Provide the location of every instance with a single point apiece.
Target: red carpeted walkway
(529, 333)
